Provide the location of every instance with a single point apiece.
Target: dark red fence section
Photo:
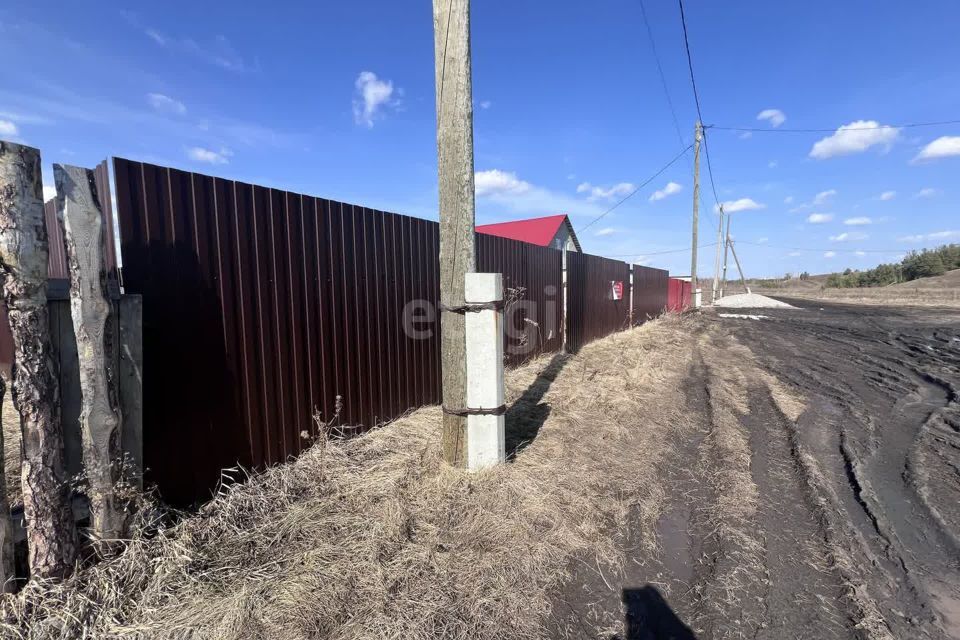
(649, 293)
(678, 294)
(261, 307)
(593, 310)
(533, 287)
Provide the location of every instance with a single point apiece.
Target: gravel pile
(751, 301)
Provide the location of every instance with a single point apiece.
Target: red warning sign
(616, 287)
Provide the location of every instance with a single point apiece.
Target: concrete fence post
(485, 400)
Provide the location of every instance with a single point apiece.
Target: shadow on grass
(527, 415)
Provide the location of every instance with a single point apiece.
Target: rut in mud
(815, 487)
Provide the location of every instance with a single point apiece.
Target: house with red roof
(549, 231)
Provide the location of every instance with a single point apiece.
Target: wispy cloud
(819, 218)
(888, 195)
(848, 236)
(371, 96)
(166, 104)
(774, 116)
(858, 221)
(823, 196)
(8, 128)
(788, 200)
(669, 190)
(199, 154)
(927, 237)
(606, 231)
(927, 192)
(856, 137)
(743, 204)
(605, 193)
(485, 104)
(829, 254)
(515, 195)
(942, 147)
(217, 51)
(496, 182)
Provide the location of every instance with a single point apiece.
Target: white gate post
(485, 401)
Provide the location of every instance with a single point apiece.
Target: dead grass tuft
(375, 538)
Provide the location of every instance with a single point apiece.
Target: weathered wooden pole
(51, 534)
(451, 35)
(79, 205)
(7, 574)
(694, 283)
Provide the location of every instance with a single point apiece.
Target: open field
(794, 476)
(939, 291)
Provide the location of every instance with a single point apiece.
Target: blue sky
(336, 100)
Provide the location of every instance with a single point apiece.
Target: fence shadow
(527, 414)
(649, 617)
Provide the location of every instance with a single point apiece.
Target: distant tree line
(918, 264)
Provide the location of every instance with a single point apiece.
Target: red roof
(539, 231)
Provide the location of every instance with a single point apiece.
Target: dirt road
(816, 490)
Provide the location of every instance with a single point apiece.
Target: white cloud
(858, 221)
(788, 200)
(371, 96)
(669, 190)
(606, 231)
(743, 204)
(819, 218)
(200, 154)
(763, 240)
(517, 196)
(942, 147)
(774, 116)
(218, 51)
(485, 104)
(8, 128)
(596, 193)
(848, 236)
(927, 192)
(772, 164)
(888, 195)
(860, 253)
(829, 254)
(745, 135)
(49, 193)
(823, 196)
(166, 104)
(855, 137)
(794, 254)
(936, 235)
(156, 36)
(494, 181)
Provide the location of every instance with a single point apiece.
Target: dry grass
(11, 448)
(375, 538)
(899, 296)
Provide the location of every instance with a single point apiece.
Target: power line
(632, 193)
(663, 78)
(696, 99)
(644, 254)
(836, 129)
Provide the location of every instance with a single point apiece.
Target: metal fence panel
(592, 310)
(649, 293)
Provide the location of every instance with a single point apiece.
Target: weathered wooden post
(7, 573)
(79, 204)
(485, 402)
(51, 534)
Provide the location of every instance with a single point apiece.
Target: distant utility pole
(694, 285)
(743, 280)
(451, 39)
(726, 251)
(716, 262)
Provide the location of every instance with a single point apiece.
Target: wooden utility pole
(726, 250)
(743, 280)
(694, 285)
(716, 261)
(451, 37)
(79, 203)
(51, 534)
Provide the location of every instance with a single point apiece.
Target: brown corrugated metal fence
(592, 311)
(263, 307)
(649, 293)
